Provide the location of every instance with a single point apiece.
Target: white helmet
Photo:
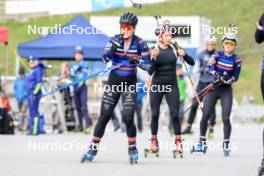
(229, 36)
(211, 38)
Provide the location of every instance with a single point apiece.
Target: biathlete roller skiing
(163, 68)
(225, 67)
(259, 37)
(204, 81)
(130, 51)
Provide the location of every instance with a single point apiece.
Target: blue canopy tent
(61, 46)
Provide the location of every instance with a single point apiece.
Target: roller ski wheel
(83, 158)
(132, 160)
(133, 155)
(153, 149)
(86, 158)
(89, 156)
(178, 150)
(148, 152)
(199, 148)
(176, 153)
(227, 152)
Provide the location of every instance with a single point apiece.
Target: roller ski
(227, 152)
(211, 134)
(133, 155)
(187, 130)
(154, 148)
(226, 149)
(178, 151)
(91, 153)
(261, 169)
(200, 147)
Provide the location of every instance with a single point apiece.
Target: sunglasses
(126, 26)
(230, 43)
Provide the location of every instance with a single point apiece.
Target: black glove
(117, 40)
(227, 82)
(216, 76)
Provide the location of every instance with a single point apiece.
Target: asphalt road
(56, 155)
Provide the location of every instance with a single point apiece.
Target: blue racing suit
(79, 70)
(34, 83)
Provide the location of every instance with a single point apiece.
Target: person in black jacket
(259, 37)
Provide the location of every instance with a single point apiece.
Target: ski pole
(201, 92)
(136, 5)
(176, 47)
(200, 96)
(205, 91)
(83, 79)
(192, 84)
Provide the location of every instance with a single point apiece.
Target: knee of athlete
(206, 114)
(154, 114)
(103, 119)
(128, 112)
(226, 121)
(175, 118)
(128, 121)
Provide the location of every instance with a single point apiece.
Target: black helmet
(129, 18)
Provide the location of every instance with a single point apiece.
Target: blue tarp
(61, 46)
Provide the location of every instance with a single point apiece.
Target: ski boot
(261, 168)
(187, 130)
(154, 148)
(226, 148)
(211, 132)
(91, 153)
(200, 146)
(227, 152)
(133, 154)
(178, 151)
